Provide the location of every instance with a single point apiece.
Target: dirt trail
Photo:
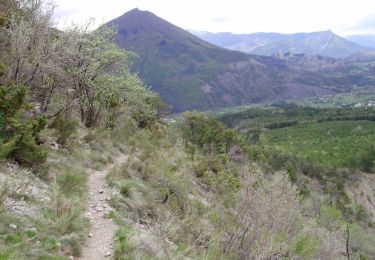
(99, 243)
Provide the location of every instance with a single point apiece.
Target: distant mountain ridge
(367, 40)
(190, 73)
(324, 43)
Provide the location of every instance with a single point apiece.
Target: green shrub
(65, 129)
(13, 238)
(200, 168)
(123, 248)
(206, 133)
(126, 187)
(28, 152)
(18, 129)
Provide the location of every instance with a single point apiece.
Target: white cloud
(362, 26)
(240, 16)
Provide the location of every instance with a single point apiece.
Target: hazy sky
(239, 16)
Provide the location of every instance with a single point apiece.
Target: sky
(344, 17)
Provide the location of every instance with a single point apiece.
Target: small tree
(207, 133)
(161, 107)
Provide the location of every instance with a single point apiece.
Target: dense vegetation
(335, 137)
(50, 76)
(336, 144)
(56, 87)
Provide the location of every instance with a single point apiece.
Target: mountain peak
(136, 23)
(327, 32)
(137, 20)
(137, 12)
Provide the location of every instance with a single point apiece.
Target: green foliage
(206, 133)
(123, 248)
(275, 117)
(225, 184)
(104, 87)
(331, 218)
(334, 144)
(364, 159)
(51, 77)
(331, 137)
(65, 129)
(18, 129)
(2, 20)
(305, 246)
(63, 74)
(291, 170)
(2, 69)
(358, 95)
(12, 99)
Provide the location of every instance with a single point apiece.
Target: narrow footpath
(99, 241)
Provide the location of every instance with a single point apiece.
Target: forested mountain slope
(192, 74)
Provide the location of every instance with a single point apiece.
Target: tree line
(49, 77)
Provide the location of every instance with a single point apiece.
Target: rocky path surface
(99, 243)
